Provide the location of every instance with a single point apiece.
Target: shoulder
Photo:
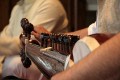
(54, 4)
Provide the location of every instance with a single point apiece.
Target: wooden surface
(5, 10)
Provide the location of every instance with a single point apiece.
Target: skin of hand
(38, 30)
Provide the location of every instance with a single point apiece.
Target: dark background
(78, 15)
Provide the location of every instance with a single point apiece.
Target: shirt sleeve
(92, 29)
(9, 44)
(51, 15)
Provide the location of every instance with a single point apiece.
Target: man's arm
(82, 33)
(38, 30)
(102, 64)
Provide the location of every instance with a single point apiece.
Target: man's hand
(38, 30)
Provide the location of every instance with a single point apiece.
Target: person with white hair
(47, 13)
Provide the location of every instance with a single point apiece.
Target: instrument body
(49, 62)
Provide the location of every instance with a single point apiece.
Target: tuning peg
(27, 27)
(25, 60)
(23, 22)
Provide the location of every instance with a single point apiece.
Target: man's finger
(35, 34)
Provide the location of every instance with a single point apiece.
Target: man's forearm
(82, 32)
(102, 64)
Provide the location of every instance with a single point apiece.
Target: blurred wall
(5, 10)
(81, 13)
(76, 10)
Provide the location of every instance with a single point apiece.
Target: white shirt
(47, 13)
(108, 19)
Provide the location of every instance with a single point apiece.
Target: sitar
(53, 53)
